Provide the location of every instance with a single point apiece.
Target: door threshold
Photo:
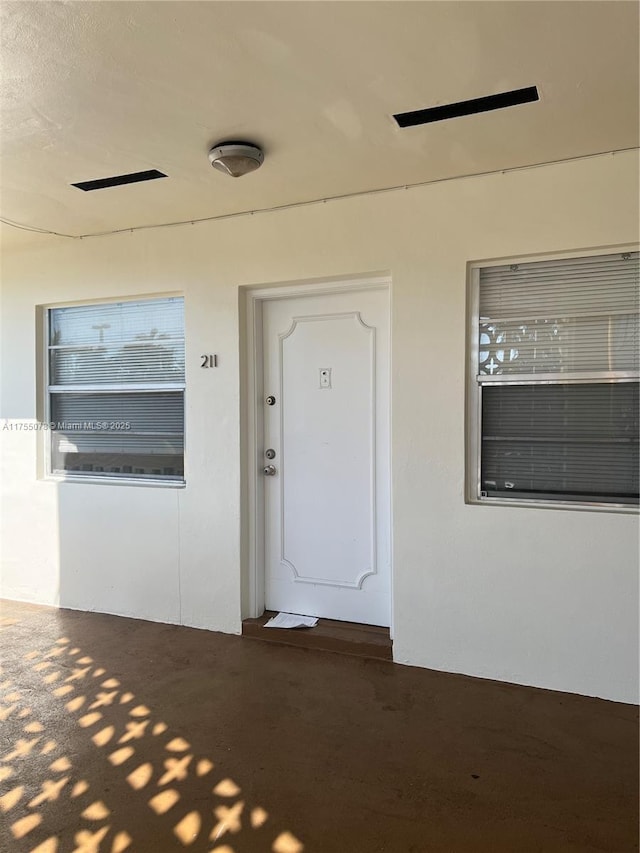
(329, 635)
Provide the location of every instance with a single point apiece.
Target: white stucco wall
(545, 597)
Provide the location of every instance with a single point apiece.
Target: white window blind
(116, 389)
(558, 347)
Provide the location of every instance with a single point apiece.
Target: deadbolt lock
(271, 400)
(270, 453)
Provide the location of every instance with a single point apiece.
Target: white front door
(326, 418)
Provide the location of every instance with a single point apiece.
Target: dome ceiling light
(236, 158)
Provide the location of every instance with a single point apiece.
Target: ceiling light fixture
(236, 158)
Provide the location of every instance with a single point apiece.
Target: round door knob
(269, 470)
(271, 400)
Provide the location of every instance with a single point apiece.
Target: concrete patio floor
(122, 735)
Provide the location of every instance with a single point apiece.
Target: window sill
(112, 481)
(625, 509)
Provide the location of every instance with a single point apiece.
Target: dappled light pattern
(164, 779)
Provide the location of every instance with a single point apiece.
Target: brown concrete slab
(170, 739)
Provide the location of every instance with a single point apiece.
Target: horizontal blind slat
(562, 439)
(139, 363)
(560, 287)
(147, 412)
(118, 322)
(560, 346)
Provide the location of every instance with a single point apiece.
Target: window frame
(43, 409)
(473, 402)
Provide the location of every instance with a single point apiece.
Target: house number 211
(209, 360)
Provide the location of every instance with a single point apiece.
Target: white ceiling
(94, 89)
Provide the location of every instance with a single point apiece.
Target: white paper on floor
(291, 620)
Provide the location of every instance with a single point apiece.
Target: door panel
(327, 506)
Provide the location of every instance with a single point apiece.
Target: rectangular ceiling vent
(468, 108)
(119, 180)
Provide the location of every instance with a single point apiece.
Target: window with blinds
(116, 384)
(557, 379)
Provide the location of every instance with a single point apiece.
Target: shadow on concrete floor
(121, 735)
